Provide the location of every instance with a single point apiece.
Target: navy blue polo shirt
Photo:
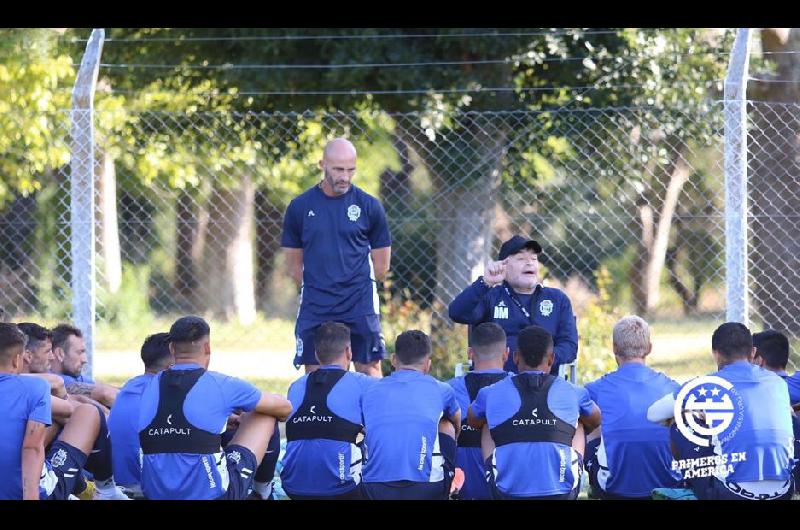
(336, 235)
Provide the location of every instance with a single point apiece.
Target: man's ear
(505, 354)
(516, 358)
(58, 353)
(26, 356)
(395, 362)
(428, 363)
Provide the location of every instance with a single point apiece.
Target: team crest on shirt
(59, 458)
(546, 307)
(235, 456)
(353, 212)
(299, 346)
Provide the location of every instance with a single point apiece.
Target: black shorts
(500, 496)
(366, 340)
(406, 490)
(64, 465)
(242, 466)
(354, 494)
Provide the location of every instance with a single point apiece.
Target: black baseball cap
(517, 243)
(189, 329)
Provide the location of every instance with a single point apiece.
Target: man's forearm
(32, 462)
(79, 398)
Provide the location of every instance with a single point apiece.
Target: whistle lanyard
(517, 303)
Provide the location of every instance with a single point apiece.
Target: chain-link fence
(774, 215)
(189, 210)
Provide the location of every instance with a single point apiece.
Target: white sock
(262, 488)
(105, 486)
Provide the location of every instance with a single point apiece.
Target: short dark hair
(62, 332)
(330, 341)
(412, 346)
(10, 337)
(773, 347)
(486, 339)
(533, 343)
(732, 339)
(35, 333)
(155, 349)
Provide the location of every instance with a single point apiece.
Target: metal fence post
(82, 193)
(735, 95)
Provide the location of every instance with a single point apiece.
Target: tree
(774, 196)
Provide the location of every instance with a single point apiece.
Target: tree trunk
(108, 227)
(774, 189)
(228, 271)
(269, 223)
(187, 230)
(648, 265)
(678, 176)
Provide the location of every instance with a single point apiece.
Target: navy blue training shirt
(336, 235)
(547, 307)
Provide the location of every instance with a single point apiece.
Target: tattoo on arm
(81, 389)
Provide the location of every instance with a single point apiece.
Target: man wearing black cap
(511, 295)
(184, 411)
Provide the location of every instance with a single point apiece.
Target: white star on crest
(715, 392)
(702, 391)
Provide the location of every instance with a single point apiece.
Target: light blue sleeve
(39, 402)
(585, 403)
(296, 393)
(592, 389)
(238, 394)
(449, 401)
(479, 405)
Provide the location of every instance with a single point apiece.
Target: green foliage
(131, 304)
(595, 355)
(400, 312)
(32, 102)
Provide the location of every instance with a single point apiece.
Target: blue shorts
(64, 464)
(242, 466)
(366, 340)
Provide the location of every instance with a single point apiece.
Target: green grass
(682, 348)
(271, 384)
(264, 333)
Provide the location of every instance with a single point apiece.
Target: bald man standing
(338, 246)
